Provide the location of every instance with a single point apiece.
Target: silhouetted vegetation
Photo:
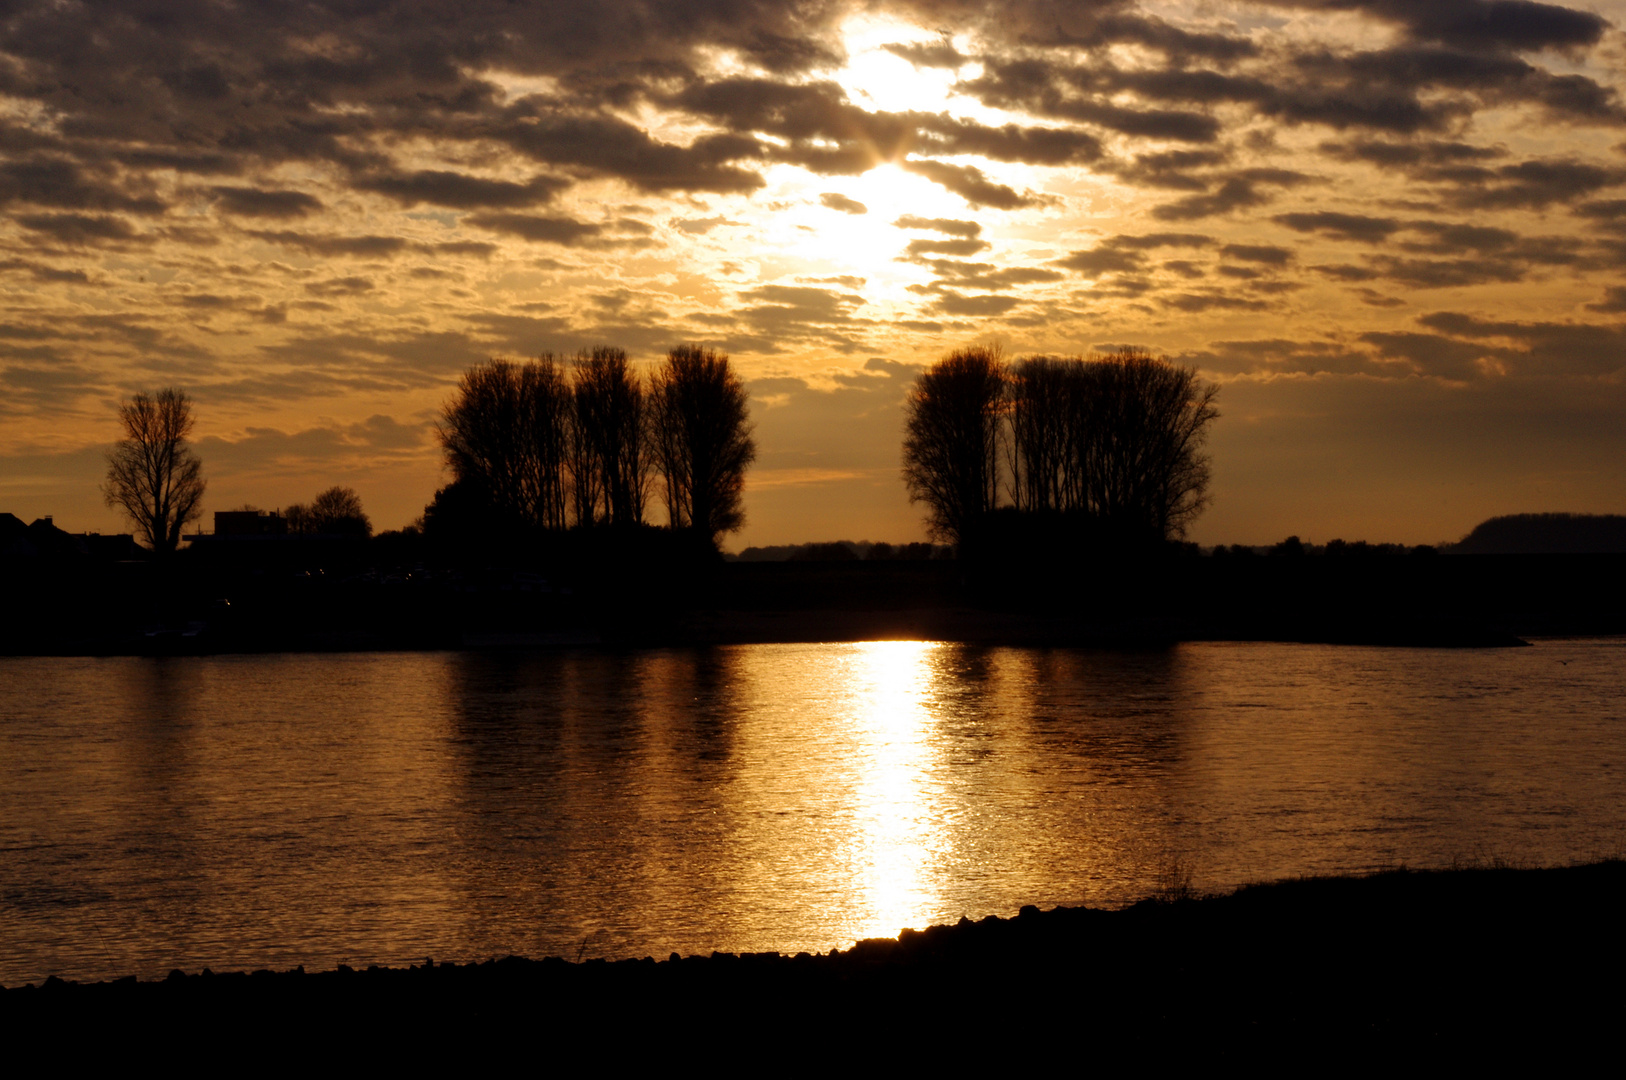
(1546, 534)
(153, 476)
(702, 435)
(1102, 451)
(951, 440)
(610, 460)
(335, 512)
(541, 447)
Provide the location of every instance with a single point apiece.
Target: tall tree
(1147, 422)
(951, 439)
(505, 435)
(702, 437)
(152, 474)
(610, 454)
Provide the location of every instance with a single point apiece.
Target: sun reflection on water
(896, 829)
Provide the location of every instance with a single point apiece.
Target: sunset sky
(1393, 231)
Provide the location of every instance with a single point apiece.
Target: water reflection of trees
(590, 791)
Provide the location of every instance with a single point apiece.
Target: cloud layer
(314, 216)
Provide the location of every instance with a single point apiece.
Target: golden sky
(1394, 231)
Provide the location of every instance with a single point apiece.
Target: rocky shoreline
(1457, 964)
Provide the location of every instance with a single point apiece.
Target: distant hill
(1546, 534)
(842, 551)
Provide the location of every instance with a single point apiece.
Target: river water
(268, 811)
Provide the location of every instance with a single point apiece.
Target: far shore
(1401, 600)
(1457, 965)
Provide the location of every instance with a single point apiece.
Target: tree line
(556, 443)
(1109, 447)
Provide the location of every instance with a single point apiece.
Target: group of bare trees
(1116, 440)
(553, 442)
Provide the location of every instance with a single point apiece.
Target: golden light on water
(896, 829)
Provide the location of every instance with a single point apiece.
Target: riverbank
(1447, 966)
(1398, 600)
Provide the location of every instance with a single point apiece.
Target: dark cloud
(1102, 29)
(1534, 183)
(953, 303)
(1122, 254)
(1477, 24)
(1279, 356)
(1102, 260)
(80, 229)
(944, 247)
(461, 191)
(701, 226)
(951, 226)
(1431, 354)
(970, 184)
(42, 272)
(552, 230)
(1169, 169)
(1258, 253)
(938, 54)
(838, 202)
(1061, 91)
(1009, 142)
(1548, 347)
(1369, 230)
(1240, 191)
(1428, 157)
(319, 244)
(345, 286)
(265, 202)
(64, 185)
(1613, 302)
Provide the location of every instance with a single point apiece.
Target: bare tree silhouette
(1118, 437)
(1113, 444)
(336, 512)
(702, 436)
(610, 453)
(506, 435)
(152, 474)
(1147, 422)
(951, 439)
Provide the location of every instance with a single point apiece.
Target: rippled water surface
(267, 811)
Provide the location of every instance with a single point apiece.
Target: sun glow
(898, 828)
(843, 225)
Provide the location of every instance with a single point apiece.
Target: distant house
(250, 523)
(41, 539)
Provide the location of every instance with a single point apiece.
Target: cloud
(1370, 230)
(944, 247)
(264, 202)
(535, 227)
(952, 226)
(1258, 253)
(970, 184)
(840, 203)
(1238, 192)
(81, 229)
(64, 184)
(1535, 183)
(319, 244)
(441, 187)
(1614, 300)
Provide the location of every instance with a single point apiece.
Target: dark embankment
(637, 589)
(1450, 966)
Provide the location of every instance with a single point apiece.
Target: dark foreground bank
(1451, 966)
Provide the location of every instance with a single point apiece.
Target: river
(239, 812)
